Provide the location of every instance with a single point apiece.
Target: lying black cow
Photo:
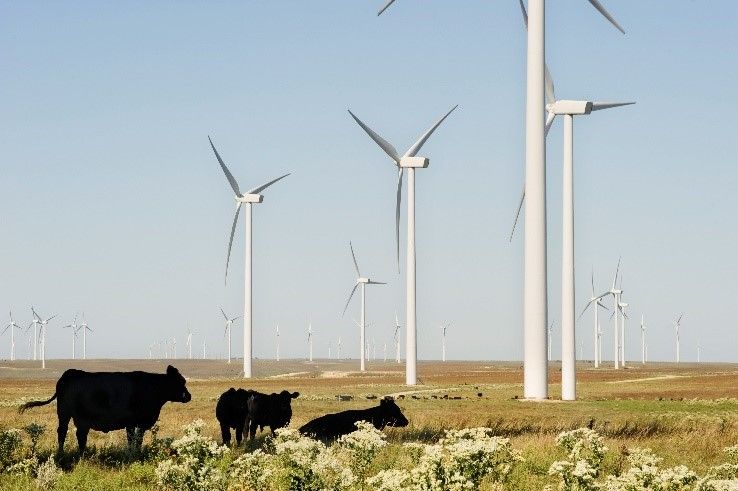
(331, 426)
(107, 401)
(231, 412)
(273, 410)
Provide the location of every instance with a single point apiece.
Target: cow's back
(334, 425)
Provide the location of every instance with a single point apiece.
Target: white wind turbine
(188, 344)
(643, 340)
(84, 328)
(550, 333)
(43, 323)
(174, 348)
(151, 347)
(360, 280)
(699, 351)
(385, 352)
(535, 300)
(249, 198)
(330, 345)
(74, 327)
(276, 335)
(397, 338)
(203, 347)
(616, 294)
(12, 326)
(677, 326)
(444, 328)
(596, 300)
(228, 329)
(35, 323)
(340, 345)
(310, 341)
(374, 349)
(623, 307)
(410, 161)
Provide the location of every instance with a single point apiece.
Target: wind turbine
(360, 280)
(550, 332)
(677, 326)
(174, 348)
(643, 340)
(35, 323)
(74, 328)
(42, 334)
(276, 335)
(310, 340)
(596, 300)
(699, 350)
(616, 294)
(623, 307)
(228, 329)
(410, 161)
(249, 198)
(203, 347)
(12, 326)
(397, 338)
(188, 344)
(151, 346)
(330, 344)
(340, 344)
(535, 300)
(444, 327)
(84, 328)
(385, 352)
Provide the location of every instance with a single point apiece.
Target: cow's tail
(31, 404)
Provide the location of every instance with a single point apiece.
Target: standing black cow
(231, 412)
(107, 401)
(331, 426)
(272, 410)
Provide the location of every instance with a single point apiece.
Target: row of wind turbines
(40, 327)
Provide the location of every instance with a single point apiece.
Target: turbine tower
(248, 199)
(643, 340)
(444, 327)
(12, 326)
(340, 345)
(548, 343)
(228, 329)
(188, 344)
(35, 323)
(43, 323)
(410, 161)
(310, 340)
(535, 299)
(677, 326)
(616, 294)
(623, 306)
(84, 328)
(596, 300)
(74, 327)
(360, 280)
(397, 338)
(276, 335)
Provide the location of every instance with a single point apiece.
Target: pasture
(685, 413)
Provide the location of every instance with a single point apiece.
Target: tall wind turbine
(397, 338)
(35, 323)
(276, 335)
(248, 199)
(410, 161)
(643, 340)
(188, 344)
(616, 294)
(12, 326)
(677, 326)
(360, 280)
(84, 328)
(228, 329)
(340, 345)
(43, 323)
(444, 328)
(596, 300)
(535, 300)
(74, 327)
(310, 341)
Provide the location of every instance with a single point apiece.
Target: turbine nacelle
(414, 162)
(573, 108)
(250, 198)
(363, 280)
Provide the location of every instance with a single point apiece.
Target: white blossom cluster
(47, 474)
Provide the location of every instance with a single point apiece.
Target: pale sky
(112, 202)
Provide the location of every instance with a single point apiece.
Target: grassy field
(685, 413)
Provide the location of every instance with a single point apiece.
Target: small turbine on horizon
(310, 341)
(12, 326)
(397, 339)
(677, 327)
(228, 329)
(596, 300)
(74, 327)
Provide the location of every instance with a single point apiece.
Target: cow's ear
(171, 371)
(382, 402)
(295, 395)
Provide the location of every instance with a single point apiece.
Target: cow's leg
(225, 432)
(130, 435)
(82, 438)
(252, 429)
(139, 436)
(61, 432)
(239, 434)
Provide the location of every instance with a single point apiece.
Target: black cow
(231, 412)
(272, 410)
(107, 401)
(331, 426)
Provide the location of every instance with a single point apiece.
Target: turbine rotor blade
(398, 201)
(549, 121)
(353, 290)
(596, 4)
(384, 144)
(227, 173)
(517, 214)
(224, 314)
(371, 282)
(549, 85)
(617, 270)
(597, 106)
(415, 148)
(261, 188)
(386, 6)
(353, 256)
(593, 282)
(230, 241)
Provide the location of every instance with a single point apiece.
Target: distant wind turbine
(43, 323)
(74, 327)
(12, 326)
(596, 300)
(444, 327)
(249, 198)
(360, 280)
(616, 294)
(340, 345)
(276, 335)
(310, 340)
(188, 344)
(35, 323)
(229, 329)
(643, 340)
(84, 328)
(397, 337)
(410, 161)
(699, 349)
(677, 326)
(550, 332)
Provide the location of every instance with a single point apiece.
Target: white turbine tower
(310, 341)
(228, 329)
(410, 161)
(535, 300)
(74, 327)
(43, 323)
(596, 300)
(330, 344)
(549, 343)
(397, 338)
(12, 326)
(174, 348)
(188, 344)
(699, 351)
(248, 199)
(276, 335)
(444, 328)
(360, 280)
(340, 345)
(84, 328)
(643, 340)
(35, 323)
(616, 294)
(623, 307)
(677, 326)
(203, 347)
(385, 352)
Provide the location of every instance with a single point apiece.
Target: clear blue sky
(113, 203)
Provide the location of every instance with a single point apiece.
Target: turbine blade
(386, 6)
(525, 13)
(584, 309)
(549, 121)
(415, 148)
(596, 4)
(549, 86)
(593, 282)
(349, 299)
(230, 241)
(353, 256)
(371, 282)
(261, 188)
(384, 144)
(597, 106)
(224, 314)
(398, 201)
(617, 270)
(227, 173)
(517, 214)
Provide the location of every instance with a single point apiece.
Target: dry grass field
(686, 413)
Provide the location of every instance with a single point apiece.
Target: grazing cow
(107, 401)
(231, 412)
(272, 410)
(331, 426)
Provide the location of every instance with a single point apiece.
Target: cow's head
(242, 398)
(176, 390)
(283, 411)
(391, 413)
